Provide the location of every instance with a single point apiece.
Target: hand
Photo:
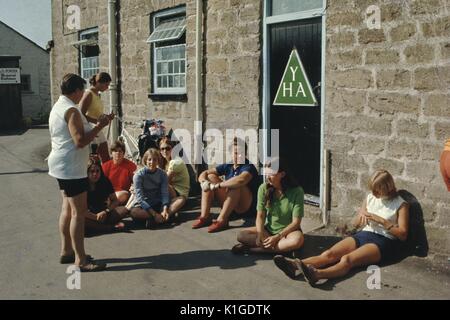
(159, 218)
(214, 186)
(111, 116)
(205, 185)
(132, 189)
(101, 216)
(103, 120)
(165, 215)
(271, 242)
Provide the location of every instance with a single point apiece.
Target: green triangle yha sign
(294, 88)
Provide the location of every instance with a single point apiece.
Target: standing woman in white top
(70, 134)
(92, 107)
(384, 217)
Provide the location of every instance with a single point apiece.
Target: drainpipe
(198, 73)
(113, 93)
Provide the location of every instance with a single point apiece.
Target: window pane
(164, 68)
(170, 81)
(182, 81)
(159, 85)
(171, 67)
(176, 81)
(289, 6)
(183, 70)
(164, 84)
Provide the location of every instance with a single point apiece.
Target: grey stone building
(380, 71)
(34, 69)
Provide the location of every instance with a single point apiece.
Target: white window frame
(94, 70)
(165, 15)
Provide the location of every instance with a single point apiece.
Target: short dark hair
(71, 82)
(118, 145)
(102, 77)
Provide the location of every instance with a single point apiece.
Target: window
(25, 81)
(89, 53)
(168, 41)
(289, 6)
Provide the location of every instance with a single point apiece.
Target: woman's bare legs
(366, 255)
(78, 205)
(122, 196)
(293, 241)
(333, 254)
(64, 227)
(209, 196)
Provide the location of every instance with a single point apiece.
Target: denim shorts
(388, 248)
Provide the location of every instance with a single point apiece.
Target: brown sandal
(288, 266)
(92, 267)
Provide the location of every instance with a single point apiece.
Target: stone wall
(231, 60)
(387, 104)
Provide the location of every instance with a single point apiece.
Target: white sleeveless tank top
(66, 161)
(385, 208)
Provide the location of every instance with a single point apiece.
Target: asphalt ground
(176, 262)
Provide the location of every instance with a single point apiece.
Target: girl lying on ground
(384, 216)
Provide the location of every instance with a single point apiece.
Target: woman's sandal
(92, 267)
(71, 259)
(288, 266)
(309, 273)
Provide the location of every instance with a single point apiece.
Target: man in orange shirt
(119, 171)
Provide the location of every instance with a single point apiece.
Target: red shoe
(218, 226)
(201, 222)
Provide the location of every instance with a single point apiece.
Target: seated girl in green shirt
(279, 213)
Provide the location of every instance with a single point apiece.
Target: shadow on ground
(190, 260)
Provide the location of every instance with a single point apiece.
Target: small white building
(35, 70)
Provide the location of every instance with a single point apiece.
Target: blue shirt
(151, 188)
(229, 172)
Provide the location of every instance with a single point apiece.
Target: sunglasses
(165, 148)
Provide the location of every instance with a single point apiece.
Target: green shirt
(180, 180)
(283, 210)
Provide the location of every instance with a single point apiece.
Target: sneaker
(217, 226)
(201, 222)
(240, 248)
(287, 265)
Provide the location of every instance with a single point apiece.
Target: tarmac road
(173, 263)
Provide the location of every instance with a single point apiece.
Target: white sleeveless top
(66, 161)
(385, 208)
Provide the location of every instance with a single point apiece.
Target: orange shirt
(121, 176)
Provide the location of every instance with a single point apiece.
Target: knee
(241, 236)
(298, 243)
(329, 255)
(346, 261)
(213, 177)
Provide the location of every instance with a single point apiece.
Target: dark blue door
(299, 126)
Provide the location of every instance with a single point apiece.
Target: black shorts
(388, 248)
(73, 187)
